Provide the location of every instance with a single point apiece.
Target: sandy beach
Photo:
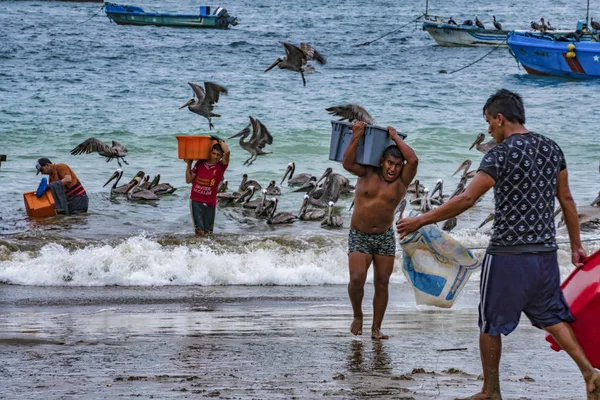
(255, 342)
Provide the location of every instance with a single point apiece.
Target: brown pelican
(314, 214)
(451, 21)
(247, 194)
(296, 59)
(264, 208)
(535, 26)
(245, 183)
(332, 221)
(449, 224)
(146, 182)
(483, 147)
(400, 208)
(92, 145)
(204, 100)
(468, 22)
(479, 23)
(596, 202)
(227, 198)
(123, 188)
(307, 187)
(161, 188)
(134, 193)
(273, 189)
(342, 181)
(223, 185)
(550, 27)
(497, 24)
(460, 187)
(351, 112)
(253, 204)
(425, 203)
(412, 188)
(281, 217)
(299, 179)
(543, 25)
(331, 192)
(588, 219)
(441, 197)
(259, 139)
(595, 26)
(465, 166)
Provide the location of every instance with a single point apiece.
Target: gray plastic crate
(370, 147)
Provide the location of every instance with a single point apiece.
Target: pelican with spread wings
(204, 99)
(92, 145)
(296, 59)
(351, 112)
(257, 142)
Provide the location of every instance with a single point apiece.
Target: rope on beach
(98, 12)
(389, 33)
(565, 242)
(476, 61)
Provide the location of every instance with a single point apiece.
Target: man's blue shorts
(511, 284)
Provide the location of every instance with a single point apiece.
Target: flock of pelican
(320, 193)
(140, 188)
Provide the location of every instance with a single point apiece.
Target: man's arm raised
(409, 170)
(349, 163)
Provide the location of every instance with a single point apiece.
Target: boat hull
(448, 35)
(132, 15)
(545, 56)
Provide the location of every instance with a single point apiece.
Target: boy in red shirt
(205, 178)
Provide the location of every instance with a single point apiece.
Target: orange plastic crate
(194, 147)
(39, 207)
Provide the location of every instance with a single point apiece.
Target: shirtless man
(378, 192)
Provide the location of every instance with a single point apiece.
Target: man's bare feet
(356, 326)
(592, 384)
(376, 334)
(481, 396)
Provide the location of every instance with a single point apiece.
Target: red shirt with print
(206, 181)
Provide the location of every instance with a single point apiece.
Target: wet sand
(256, 342)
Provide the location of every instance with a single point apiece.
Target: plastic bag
(42, 187)
(436, 265)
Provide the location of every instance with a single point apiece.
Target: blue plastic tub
(370, 147)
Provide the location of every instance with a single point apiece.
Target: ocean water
(64, 79)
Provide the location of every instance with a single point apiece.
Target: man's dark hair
(393, 151)
(218, 147)
(507, 103)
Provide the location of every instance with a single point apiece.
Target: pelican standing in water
(351, 112)
(296, 59)
(298, 180)
(118, 174)
(92, 145)
(257, 142)
(332, 221)
(204, 99)
(305, 214)
(483, 147)
(281, 217)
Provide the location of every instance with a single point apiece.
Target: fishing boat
(133, 15)
(460, 35)
(564, 56)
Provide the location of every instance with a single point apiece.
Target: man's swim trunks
(383, 244)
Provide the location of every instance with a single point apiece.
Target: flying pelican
(161, 188)
(273, 189)
(299, 180)
(203, 101)
(134, 193)
(92, 145)
(245, 183)
(332, 221)
(259, 139)
(296, 59)
(281, 217)
(479, 23)
(114, 190)
(595, 25)
(351, 112)
(483, 147)
(314, 214)
(497, 24)
(465, 166)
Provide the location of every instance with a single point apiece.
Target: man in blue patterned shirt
(520, 271)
